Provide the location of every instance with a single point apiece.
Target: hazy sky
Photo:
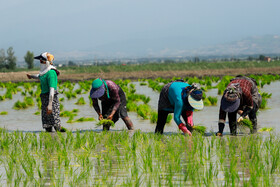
(69, 26)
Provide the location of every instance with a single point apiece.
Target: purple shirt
(114, 96)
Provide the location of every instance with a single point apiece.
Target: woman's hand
(100, 117)
(110, 117)
(29, 76)
(49, 109)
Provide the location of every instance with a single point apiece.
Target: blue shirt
(176, 100)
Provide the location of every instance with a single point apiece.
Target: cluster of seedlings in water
(135, 102)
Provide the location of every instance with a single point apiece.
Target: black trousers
(232, 121)
(162, 117)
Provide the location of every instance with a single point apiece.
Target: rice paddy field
(87, 156)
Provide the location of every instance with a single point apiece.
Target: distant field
(153, 70)
(170, 67)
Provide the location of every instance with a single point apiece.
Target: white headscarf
(44, 68)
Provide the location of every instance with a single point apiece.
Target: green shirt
(48, 80)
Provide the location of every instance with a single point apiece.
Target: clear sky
(72, 27)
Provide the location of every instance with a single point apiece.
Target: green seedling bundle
(245, 123)
(199, 128)
(106, 122)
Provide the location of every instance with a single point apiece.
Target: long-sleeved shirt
(176, 102)
(248, 95)
(114, 97)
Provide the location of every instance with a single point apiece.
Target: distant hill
(249, 46)
(178, 46)
(175, 47)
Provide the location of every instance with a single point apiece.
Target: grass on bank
(178, 66)
(170, 66)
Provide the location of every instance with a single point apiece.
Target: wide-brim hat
(98, 89)
(41, 57)
(45, 57)
(195, 99)
(229, 106)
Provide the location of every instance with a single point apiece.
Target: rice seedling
(2, 97)
(169, 118)
(81, 101)
(199, 128)
(155, 85)
(144, 111)
(82, 119)
(29, 101)
(9, 94)
(79, 91)
(131, 106)
(143, 83)
(212, 100)
(263, 103)
(266, 95)
(4, 113)
(245, 123)
(37, 113)
(223, 84)
(266, 129)
(63, 129)
(154, 116)
(20, 105)
(106, 122)
(75, 110)
(61, 106)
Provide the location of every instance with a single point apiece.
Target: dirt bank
(21, 76)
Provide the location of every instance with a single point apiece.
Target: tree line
(8, 60)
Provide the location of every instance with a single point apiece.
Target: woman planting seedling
(181, 99)
(241, 96)
(50, 103)
(113, 102)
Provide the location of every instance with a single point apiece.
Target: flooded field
(25, 120)
(87, 156)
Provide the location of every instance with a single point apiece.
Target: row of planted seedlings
(141, 159)
(31, 90)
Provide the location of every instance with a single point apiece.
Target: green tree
(29, 59)
(11, 59)
(250, 58)
(196, 59)
(2, 59)
(262, 57)
(71, 63)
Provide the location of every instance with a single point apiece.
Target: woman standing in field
(181, 99)
(50, 104)
(113, 102)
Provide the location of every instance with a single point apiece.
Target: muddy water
(25, 120)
